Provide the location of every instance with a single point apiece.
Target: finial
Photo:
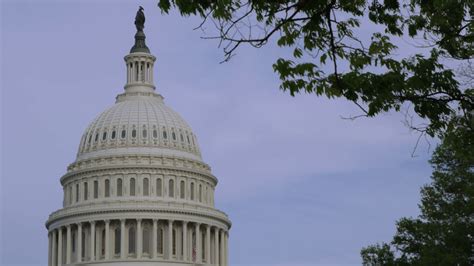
(140, 45)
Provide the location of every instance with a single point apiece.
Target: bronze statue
(140, 19)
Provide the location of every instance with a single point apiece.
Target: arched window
(131, 240)
(119, 187)
(192, 190)
(188, 139)
(155, 133)
(102, 246)
(124, 133)
(160, 239)
(132, 186)
(90, 138)
(173, 135)
(182, 189)
(113, 134)
(96, 189)
(159, 187)
(200, 193)
(146, 188)
(104, 135)
(165, 136)
(70, 194)
(181, 136)
(107, 188)
(146, 240)
(134, 133)
(96, 137)
(117, 241)
(144, 133)
(77, 192)
(171, 188)
(85, 191)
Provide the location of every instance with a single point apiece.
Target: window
(181, 136)
(159, 187)
(77, 192)
(117, 241)
(132, 186)
(182, 189)
(113, 134)
(96, 189)
(90, 138)
(146, 240)
(96, 137)
(188, 139)
(174, 241)
(160, 239)
(165, 136)
(200, 193)
(144, 134)
(107, 188)
(73, 242)
(173, 135)
(102, 247)
(134, 133)
(124, 133)
(85, 191)
(119, 187)
(146, 187)
(171, 188)
(192, 191)
(155, 134)
(104, 136)
(70, 194)
(131, 240)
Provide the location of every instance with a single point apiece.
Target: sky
(301, 185)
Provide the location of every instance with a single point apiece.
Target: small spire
(140, 46)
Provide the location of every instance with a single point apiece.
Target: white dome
(138, 123)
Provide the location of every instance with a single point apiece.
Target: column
(154, 238)
(122, 238)
(50, 246)
(92, 240)
(107, 239)
(185, 241)
(68, 244)
(208, 244)
(221, 246)
(60, 246)
(79, 242)
(226, 248)
(216, 246)
(54, 257)
(198, 244)
(140, 71)
(139, 238)
(170, 239)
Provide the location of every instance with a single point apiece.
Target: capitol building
(138, 193)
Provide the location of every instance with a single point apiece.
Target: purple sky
(301, 185)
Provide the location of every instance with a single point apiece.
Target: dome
(138, 124)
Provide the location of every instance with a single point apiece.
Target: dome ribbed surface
(139, 125)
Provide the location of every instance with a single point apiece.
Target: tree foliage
(331, 58)
(443, 234)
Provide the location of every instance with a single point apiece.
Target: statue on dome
(140, 19)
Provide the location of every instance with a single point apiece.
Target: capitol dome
(138, 193)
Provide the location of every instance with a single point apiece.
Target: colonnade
(138, 239)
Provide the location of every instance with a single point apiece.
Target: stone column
(122, 238)
(54, 257)
(185, 241)
(79, 242)
(107, 239)
(221, 246)
(92, 258)
(208, 244)
(198, 244)
(154, 238)
(68, 244)
(60, 246)
(170, 239)
(216, 246)
(139, 238)
(226, 249)
(50, 246)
